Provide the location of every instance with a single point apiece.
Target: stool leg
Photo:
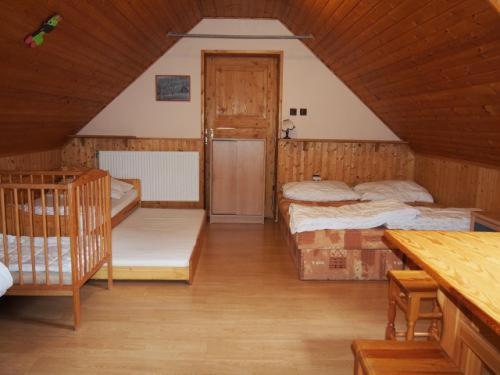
(412, 315)
(390, 331)
(434, 332)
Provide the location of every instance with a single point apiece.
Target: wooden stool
(379, 357)
(406, 289)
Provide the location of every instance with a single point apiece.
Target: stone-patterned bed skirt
(358, 254)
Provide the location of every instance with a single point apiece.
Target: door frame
(250, 53)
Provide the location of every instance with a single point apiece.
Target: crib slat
(4, 228)
(45, 239)
(79, 226)
(88, 218)
(55, 202)
(99, 218)
(91, 213)
(18, 238)
(93, 193)
(32, 234)
(85, 229)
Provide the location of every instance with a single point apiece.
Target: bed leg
(110, 275)
(76, 308)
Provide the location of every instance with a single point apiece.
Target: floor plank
(246, 313)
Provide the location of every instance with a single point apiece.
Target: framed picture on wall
(173, 88)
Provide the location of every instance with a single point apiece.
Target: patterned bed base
(340, 254)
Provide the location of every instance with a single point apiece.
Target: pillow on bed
(402, 191)
(120, 186)
(116, 194)
(319, 191)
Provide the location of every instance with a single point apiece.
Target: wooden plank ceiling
(430, 69)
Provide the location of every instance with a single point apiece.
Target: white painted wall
(333, 110)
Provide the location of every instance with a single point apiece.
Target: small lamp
(287, 127)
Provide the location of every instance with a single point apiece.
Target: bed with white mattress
(343, 240)
(157, 244)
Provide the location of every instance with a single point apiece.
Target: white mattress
(119, 204)
(449, 219)
(152, 237)
(5, 279)
(352, 216)
(26, 263)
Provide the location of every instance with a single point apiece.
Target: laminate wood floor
(247, 313)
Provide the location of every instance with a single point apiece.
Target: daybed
(56, 231)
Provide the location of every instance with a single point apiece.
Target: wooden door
(242, 101)
(238, 180)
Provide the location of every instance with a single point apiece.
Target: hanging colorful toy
(36, 39)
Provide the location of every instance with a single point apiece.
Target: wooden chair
(407, 289)
(381, 357)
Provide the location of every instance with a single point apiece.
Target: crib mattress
(152, 237)
(26, 264)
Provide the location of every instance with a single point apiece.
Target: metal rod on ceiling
(231, 36)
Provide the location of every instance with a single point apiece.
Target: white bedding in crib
(25, 245)
(351, 216)
(449, 219)
(5, 279)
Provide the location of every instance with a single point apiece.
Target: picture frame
(173, 88)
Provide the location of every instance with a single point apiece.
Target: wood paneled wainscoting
(81, 151)
(44, 160)
(459, 183)
(349, 161)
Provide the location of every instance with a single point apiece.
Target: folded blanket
(449, 219)
(352, 216)
(5, 279)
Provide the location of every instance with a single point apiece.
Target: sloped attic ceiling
(429, 69)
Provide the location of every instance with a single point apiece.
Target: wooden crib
(56, 231)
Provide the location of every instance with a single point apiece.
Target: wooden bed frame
(161, 273)
(85, 199)
(132, 206)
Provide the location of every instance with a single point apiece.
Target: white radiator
(164, 175)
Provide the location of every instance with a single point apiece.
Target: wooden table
(466, 265)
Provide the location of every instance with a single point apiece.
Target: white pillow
(402, 191)
(121, 186)
(319, 191)
(116, 194)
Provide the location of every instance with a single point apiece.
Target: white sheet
(152, 237)
(319, 191)
(449, 219)
(5, 279)
(351, 216)
(119, 204)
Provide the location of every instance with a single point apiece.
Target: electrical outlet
(303, 111)
(293, 111)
